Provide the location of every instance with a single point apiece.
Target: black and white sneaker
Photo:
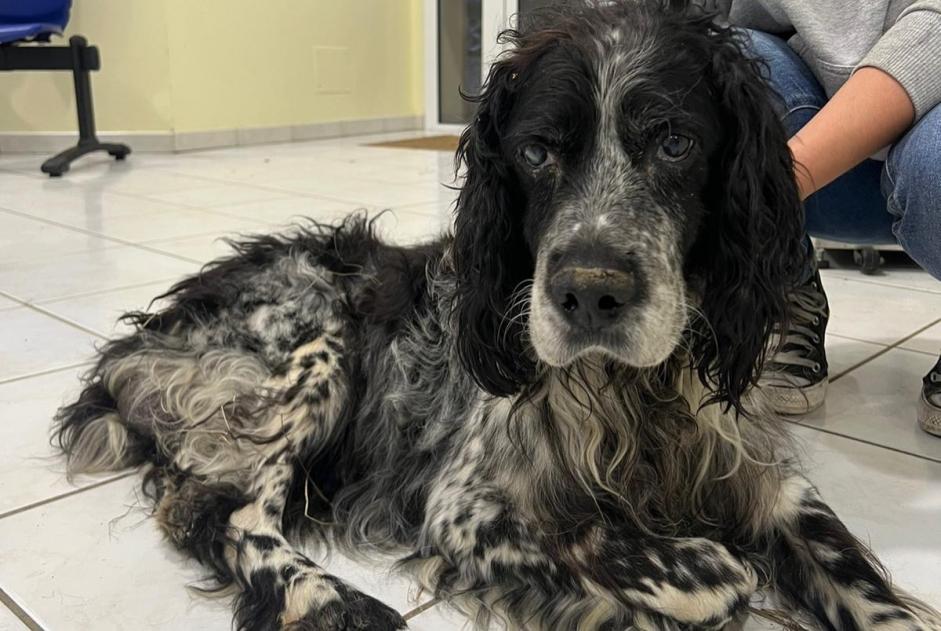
(794, 379)
(929, 412)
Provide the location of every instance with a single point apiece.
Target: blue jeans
(879, 203)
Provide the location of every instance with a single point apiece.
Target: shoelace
(807, 305)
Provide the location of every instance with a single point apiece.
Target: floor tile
(88, 209)
(364, 191)
(398, 226)
(86, 272)
(907, 276)
(844, 353)
(405, 228)
(877, 402)
(216, 196)
(100, 311)
(30, 469)
(130, 178)
(96, 560)
(928, 341)
(275, 214)
(170, 224)
(12, 163)
(25, 239)
(889, 500)
(201, 248)
(32, 342)
(9, 622)
(858, 310)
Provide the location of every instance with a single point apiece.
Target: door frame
(496, 16)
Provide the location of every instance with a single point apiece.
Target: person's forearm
(869, 112)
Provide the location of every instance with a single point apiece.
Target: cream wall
(132, 91)
(185, 65)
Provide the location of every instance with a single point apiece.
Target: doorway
(460, 44)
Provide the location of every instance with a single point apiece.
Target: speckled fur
(323, 386)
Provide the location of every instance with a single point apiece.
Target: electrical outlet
(332, 69)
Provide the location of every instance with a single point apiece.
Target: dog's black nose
(592, 297)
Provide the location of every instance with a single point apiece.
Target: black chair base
(81, 59)
(60, 163)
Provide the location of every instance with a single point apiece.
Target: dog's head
(628, 189)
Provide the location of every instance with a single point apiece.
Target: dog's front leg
(479, 553)
(696, 582)
(819, 567)
(281, 587)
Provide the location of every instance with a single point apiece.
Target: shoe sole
(794, 401)
(929, 417)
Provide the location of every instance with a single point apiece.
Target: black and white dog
(549, 416)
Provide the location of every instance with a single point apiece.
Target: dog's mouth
(642, 334)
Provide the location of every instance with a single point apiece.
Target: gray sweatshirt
(835, 37)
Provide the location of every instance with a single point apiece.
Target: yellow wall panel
(199, 65)
(132, 90)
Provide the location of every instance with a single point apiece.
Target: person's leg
(912, 187)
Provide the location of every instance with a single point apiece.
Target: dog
(551, 415)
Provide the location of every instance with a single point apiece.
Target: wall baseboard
(166, 141)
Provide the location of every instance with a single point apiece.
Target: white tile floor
(76, 252)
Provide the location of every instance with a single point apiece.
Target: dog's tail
(91, 432)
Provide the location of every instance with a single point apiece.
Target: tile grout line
(66, 321)
(100, 235)
(885, 284)
(865, 442)
(67, 494)
(47, 371)
(94, 292)
(893, 346)
(288, 193)
(879, 344)
(420, 609)
(19, 612)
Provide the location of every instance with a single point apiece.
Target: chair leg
(87, 139)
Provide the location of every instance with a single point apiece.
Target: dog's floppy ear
(750, 246)
(491, 259)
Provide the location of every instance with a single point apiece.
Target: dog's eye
(675, 147)
(536, 155)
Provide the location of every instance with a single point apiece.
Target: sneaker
(794, 379)
(929, 412)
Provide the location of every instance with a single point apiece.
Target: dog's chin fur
(323, 385)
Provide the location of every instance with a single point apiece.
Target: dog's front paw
(357, 612)
(310, 600)
(703, 585)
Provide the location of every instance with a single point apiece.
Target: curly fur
(434, 402)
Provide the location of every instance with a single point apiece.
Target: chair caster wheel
(868, 259)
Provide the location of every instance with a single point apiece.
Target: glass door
(460, 44)
(460, 41)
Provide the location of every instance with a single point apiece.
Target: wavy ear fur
(751, 243)
(491, 258)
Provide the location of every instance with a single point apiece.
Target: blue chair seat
(27, 19)
(19, 32)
